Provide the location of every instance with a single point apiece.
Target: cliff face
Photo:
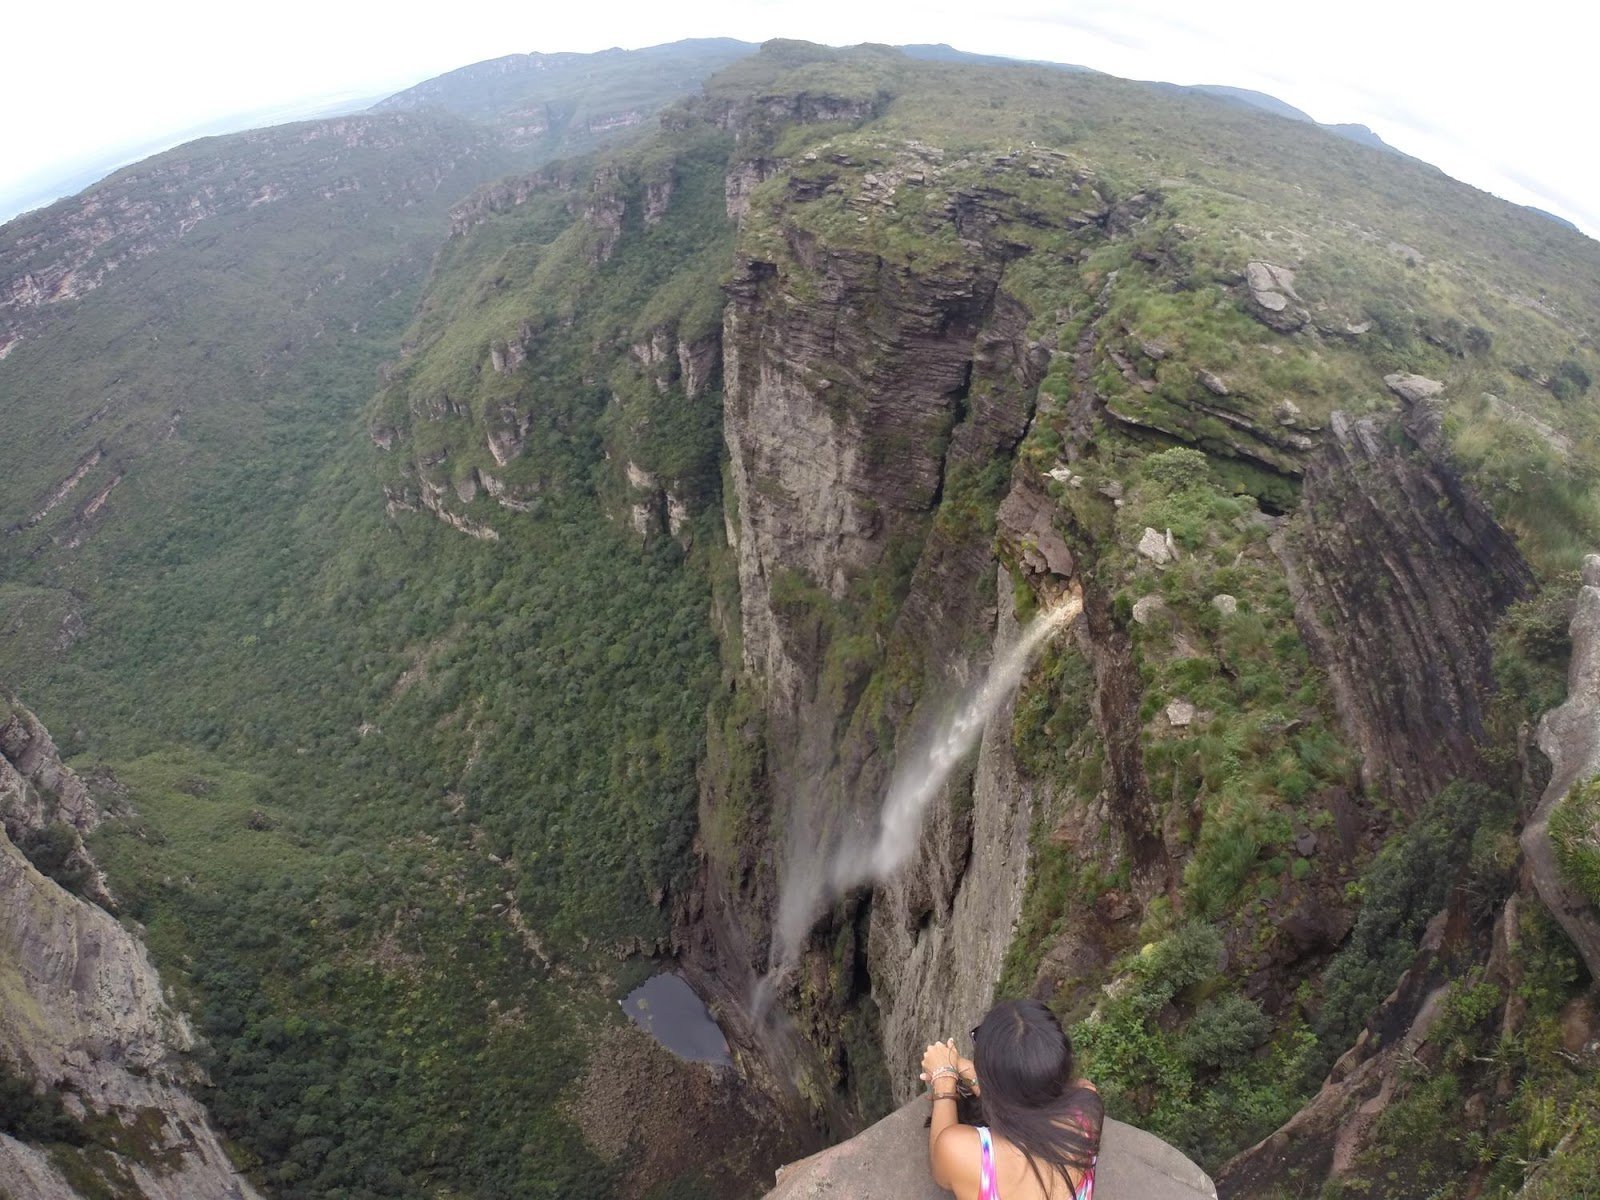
(873, 362)
(1399, 574)
(873, 404)
(957, 384)
(84, 1016)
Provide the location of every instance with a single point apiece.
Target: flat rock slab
(889, 1161)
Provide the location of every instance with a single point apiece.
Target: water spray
(861, 854)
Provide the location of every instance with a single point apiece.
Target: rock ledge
(890, 1160)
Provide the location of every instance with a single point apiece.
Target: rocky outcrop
(44, 805)
(506, 194)
(40, 789)
(1027, 522)
(430, 497)
(1272, 298)
(1399, 574)
(889, 1161)
(1326, 1137)
(603, 212)
(82, 1014)
(1569, 735)
(1413, 389)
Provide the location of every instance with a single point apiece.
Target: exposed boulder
(1213, 383)
(1026, 520)
(1181, 714)
(1225, 604)
(1273, 299)
(1148, 608)
(1157, 547)
(1413, 389)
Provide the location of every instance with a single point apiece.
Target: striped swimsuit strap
(989, 1189)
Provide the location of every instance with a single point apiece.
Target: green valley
(493, 546)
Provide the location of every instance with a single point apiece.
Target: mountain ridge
(503, 622)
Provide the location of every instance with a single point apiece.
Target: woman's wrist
(951, 1090)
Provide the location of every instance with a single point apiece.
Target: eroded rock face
(1569, 735)
(48, 790)
(1398, 575)
(835, 411)
(1273, 299)
(82, 1013)
(933, 975)
(847, 413)
(1027, 519)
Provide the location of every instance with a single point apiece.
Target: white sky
(1502, 96)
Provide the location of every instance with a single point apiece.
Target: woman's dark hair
(1029, 1089)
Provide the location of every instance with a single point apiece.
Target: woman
(1043, 1131)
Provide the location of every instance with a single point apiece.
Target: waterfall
(824, 866)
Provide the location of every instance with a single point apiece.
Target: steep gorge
(954, 385)
(785, 420)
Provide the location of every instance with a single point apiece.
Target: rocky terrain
(85, 1017)
(711, 470)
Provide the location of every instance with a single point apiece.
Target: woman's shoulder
(956, 1139)
(955, 1151)
(1086, 1085)
(956, 1143)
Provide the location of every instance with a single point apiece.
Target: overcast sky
(1502, 97)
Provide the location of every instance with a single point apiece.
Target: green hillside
(390, 593)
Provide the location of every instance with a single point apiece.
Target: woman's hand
(939, 1054)
(969, 1074)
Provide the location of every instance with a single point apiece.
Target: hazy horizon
(1480, 109)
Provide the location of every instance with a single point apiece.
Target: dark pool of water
(666, 1008)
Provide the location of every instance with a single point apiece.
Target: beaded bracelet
(941, 1073)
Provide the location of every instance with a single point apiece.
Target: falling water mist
(864, 851)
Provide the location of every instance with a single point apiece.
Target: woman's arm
(941, 1069)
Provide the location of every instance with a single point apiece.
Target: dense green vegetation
(31, 1115)
(1207, 1089)
(1499, 1109)
(391, 711)
(1575, 831)
(398, 799)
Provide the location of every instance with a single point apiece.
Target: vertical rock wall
(82, 1011)
(1399, 575)
(940, 931)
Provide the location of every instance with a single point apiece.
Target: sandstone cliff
(964, 366)
(83, 1015)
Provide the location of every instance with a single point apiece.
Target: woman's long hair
(1025, 1071)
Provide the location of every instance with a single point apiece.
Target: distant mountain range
(527, 84)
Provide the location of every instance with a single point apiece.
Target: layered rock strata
(1399, 574)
